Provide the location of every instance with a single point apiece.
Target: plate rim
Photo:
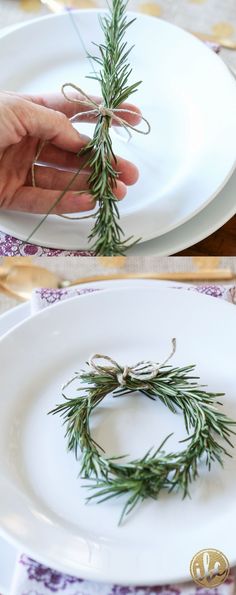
(196, 222)
(85, 296)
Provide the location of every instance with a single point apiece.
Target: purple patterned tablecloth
(10, 246)
(32, 578)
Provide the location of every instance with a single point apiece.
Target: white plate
(196, 229)
(13, 317)
(8, 552)
(182, 163)
(42, 506)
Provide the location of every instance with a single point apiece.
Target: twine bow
(99, 109)
(143, 371)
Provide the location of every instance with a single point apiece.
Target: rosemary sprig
(106, 236)
(208, 430)
(114, 72)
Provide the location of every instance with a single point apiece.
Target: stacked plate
(186, 188)
(43, 511)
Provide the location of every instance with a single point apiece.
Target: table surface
(220, 243)
(74, 268)
(208, 16)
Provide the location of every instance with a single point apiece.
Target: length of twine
(97, 109)
(143, 371)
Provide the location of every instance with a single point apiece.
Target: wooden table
(220, 243)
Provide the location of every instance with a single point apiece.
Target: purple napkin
(32, 578)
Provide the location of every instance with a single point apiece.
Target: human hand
(24, 121)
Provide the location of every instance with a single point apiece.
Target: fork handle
(206, 275)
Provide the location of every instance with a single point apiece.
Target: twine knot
(99, 109)
(143, 371)
(103, 110)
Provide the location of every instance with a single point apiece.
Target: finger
(56, 101)
(55, 157)
(133, 119)
(128, 172)
(47, 124)
(66, 160)
(52, 179)
(38, 200)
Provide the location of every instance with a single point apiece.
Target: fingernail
(90, 201)
(85, 139)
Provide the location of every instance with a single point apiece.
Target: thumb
(51, 125)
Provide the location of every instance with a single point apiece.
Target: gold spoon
(30, 5)
(20, 281)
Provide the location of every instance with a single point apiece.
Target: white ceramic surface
(8, 559)
(209, 220)
(12, 317)
(42, 506)
(182, 163)
(8, 551)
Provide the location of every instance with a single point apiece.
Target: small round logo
(209, 568)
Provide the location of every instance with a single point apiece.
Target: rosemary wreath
(177, 388)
